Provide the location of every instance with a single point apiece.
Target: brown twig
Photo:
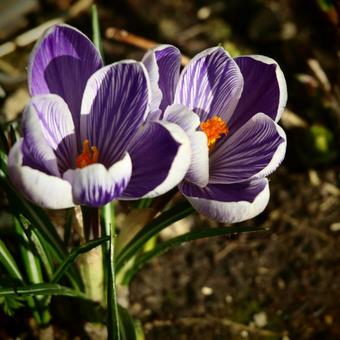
(135, 40)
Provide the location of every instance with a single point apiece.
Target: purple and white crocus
(236, 142)
(85, 135)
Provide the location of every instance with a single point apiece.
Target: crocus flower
(85, 136)
(236, 142)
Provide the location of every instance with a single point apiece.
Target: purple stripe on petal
(57, 127)
(115, 105)
(264, 90)
(255, 150)
(95, 185)
(163, 65)
(61, 63)
(211, 84)
(160, 156)
(44, 190)
(229, 203)
(37, 153)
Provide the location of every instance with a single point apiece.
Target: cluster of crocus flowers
(92, 134)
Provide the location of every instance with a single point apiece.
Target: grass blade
(41, 289)
(47, 233)
(8, 262)
(74, 254)
(96, 38)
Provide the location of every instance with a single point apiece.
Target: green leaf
(179, 240)
(96, 30)
(47, 232)
(33, 269)
(168, 217)
(74, 254)
(8, 262)
(33, 235)
(11, 303)
(41, 289)
(127, 324)
(29, 256)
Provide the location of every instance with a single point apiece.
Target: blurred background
(280, 284)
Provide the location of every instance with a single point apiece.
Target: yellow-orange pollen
(214, 128)
(88, 156)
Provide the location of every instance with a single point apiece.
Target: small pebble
(228, 299)
(335, 227)
(260, 319)
(206, 291)
(244, 334)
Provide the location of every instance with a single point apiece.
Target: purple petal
(254, 151)
(95, 185)
(229, 203)
(163, 65)
(198, 172)
(264, 90)
(56, 125)
(210, 85)
(44, 190)
(160, 156)
(61, 63)
(37, 153)
(115, 105)
(182, 116)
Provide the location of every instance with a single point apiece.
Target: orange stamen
(214, 128)
(88, 155)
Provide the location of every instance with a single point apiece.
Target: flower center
(88, 156)
(214, 128)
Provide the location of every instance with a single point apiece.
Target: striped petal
(56, 125)
(42, 189)
(115, 105)
(254, 151)
(210, 85)
(264, 90)
(94, 185)
(163, 65)
(61, 63)
(228, 203)
(160, 156)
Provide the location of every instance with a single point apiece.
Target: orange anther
(214, 128)
(88, 155)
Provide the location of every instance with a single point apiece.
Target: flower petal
(182, 116)
(264, 90)
(95, 185)
(160, 156)
(44, 190)
(163, 65)
(198, 172)
(37, 153)
(211, 84)
(115, 105)
(229, 203)
(254, 151)
(57, 127)
(61, 63)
